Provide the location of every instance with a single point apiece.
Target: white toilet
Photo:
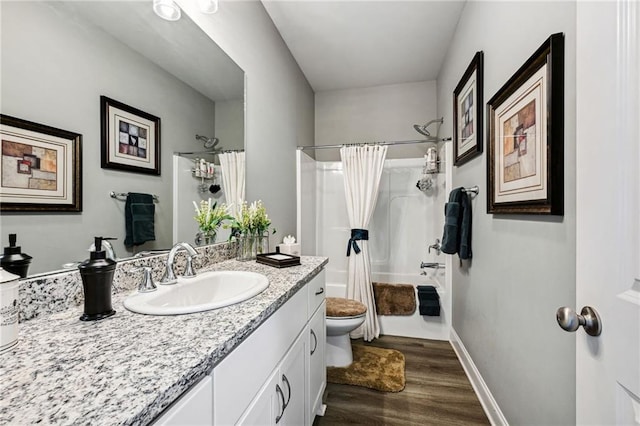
(343, 316)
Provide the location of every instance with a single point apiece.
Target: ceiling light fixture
(166, 9)
(208, 6)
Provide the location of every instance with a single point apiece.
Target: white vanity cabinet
(273, 377)
(276, 376)
(282, 400)
(317, 371)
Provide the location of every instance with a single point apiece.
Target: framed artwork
(467, 112)
(526, 136)
(130, 138)
(41, 169)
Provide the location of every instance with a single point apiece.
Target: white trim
(487, 401)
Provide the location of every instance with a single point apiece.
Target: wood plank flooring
(437, 391)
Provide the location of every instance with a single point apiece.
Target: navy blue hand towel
(429, 300)
(139, 212)
(457, 224)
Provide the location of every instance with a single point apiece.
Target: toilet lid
(340, 307)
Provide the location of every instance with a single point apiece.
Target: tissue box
(292, 249)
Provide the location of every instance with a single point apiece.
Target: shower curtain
(362, 168)
(232, 165)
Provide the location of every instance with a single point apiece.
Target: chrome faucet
(169, 276)
(434, 265)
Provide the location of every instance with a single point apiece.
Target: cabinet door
(195, 407)
(267, 406)
(294, 382)
(317, 364)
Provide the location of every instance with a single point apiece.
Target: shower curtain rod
(302, 148)
(224, 151)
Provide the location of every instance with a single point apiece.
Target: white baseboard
(487, 401)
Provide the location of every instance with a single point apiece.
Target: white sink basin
(206, 291)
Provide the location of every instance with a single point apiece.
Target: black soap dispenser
(14, 260)
(97, 276)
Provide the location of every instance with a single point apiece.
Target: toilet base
(339, 353)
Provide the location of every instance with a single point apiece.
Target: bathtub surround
(516, 261)
(396, 249)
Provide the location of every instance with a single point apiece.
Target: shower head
(422, 128)
(208, 142)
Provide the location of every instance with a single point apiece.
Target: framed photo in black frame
(41, 168)
(130, 138)
(525, 158)
(467, 112)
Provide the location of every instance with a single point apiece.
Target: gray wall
(524, 266)
(53, 72)
(374, 114)
(279, 104)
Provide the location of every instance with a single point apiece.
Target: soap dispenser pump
(97, 276)
(13, 260)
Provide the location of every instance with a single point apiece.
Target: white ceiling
(356, 43)
(181, 48)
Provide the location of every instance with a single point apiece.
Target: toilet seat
(338, 307)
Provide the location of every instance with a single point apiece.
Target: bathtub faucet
(432, 265)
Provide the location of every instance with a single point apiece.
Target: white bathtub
(415, 325)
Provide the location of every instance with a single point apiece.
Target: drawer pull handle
(279, 391)
(315, 342)
(285, 380)
(319, 292)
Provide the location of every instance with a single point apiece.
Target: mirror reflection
(59, 58)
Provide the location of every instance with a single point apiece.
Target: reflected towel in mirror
(139, 212)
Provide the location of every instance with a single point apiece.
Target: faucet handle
(189, 272)
(146, 285)
(437, 246)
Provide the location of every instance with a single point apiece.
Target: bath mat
(394, 299)
(375, 368)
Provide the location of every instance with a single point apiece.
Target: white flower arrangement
(210, 216)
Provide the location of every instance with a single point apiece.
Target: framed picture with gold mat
(41, 168)
(525, 160)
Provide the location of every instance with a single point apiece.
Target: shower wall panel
(404, 223)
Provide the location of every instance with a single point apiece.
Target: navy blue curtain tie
(356, 235)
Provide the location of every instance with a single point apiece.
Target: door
(266, 407)
(293, 383)
(608, 211)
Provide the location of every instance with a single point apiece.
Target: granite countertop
(128, 368)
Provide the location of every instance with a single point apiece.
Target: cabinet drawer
(240, 376)
(317, 292)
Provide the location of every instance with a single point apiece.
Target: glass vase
(250, 245)
(262, 243)
(246, 247)
(204, 238)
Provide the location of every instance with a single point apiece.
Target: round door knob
(588, 318)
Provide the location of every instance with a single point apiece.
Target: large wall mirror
(59, 58)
